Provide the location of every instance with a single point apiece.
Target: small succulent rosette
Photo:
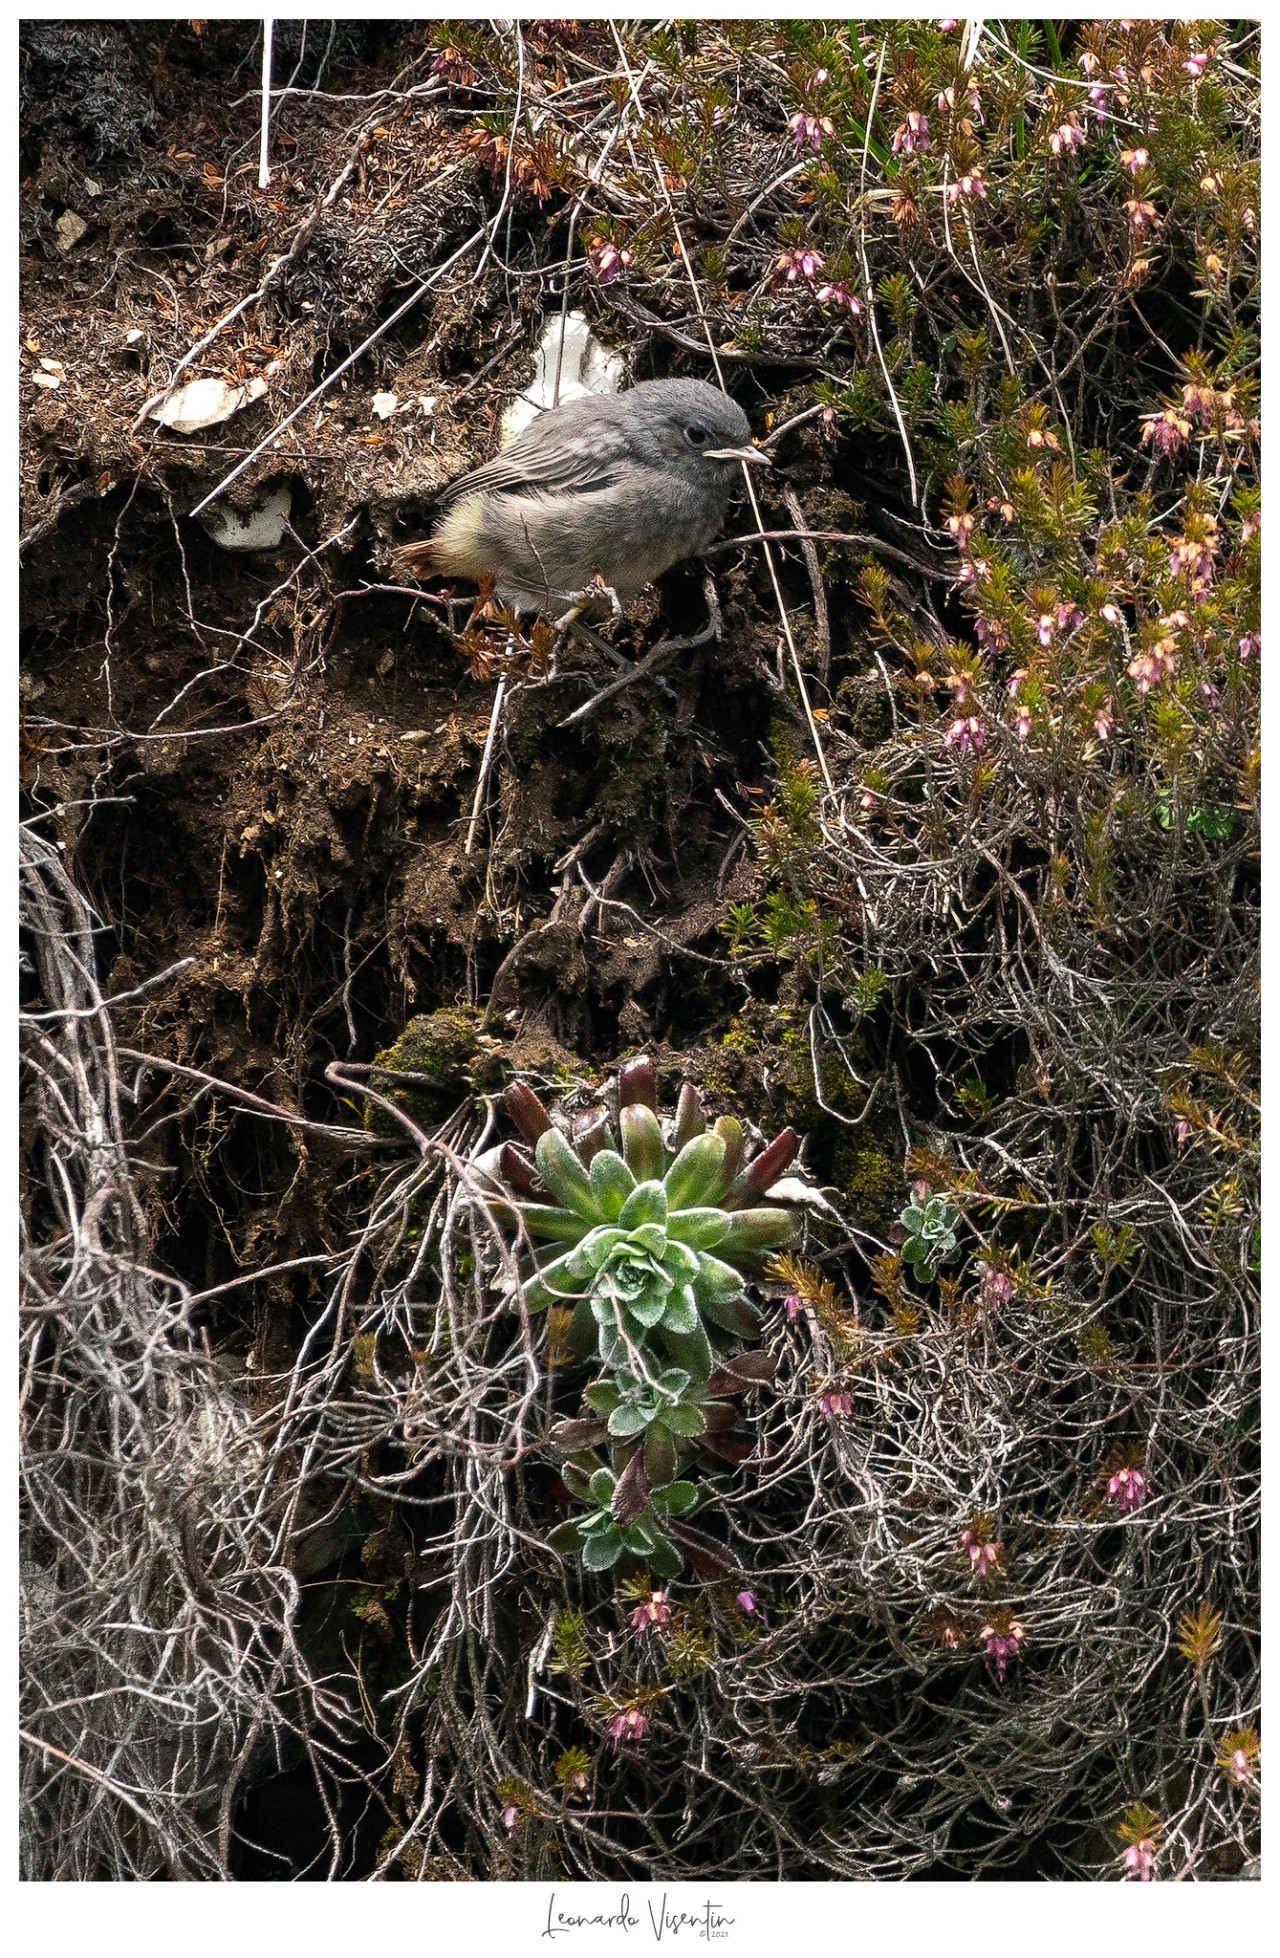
(641, 1238)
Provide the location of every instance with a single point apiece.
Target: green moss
(873, 1181)
(451, 1057)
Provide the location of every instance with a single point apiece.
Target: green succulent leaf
(602, 1396)
(682, 1419)
(603, 1483)
(611, 1182)
(664, 1559)
(566, 1537)
(680, 1264)
(697, 1174)
(691, 1350)
(554, 1284)
(642, 1144)
(630, 1419)
(565, 1177)
(715, 1280)
(735, 1316)
(602, 1552)
(660, 1454)
(691, 1117)
(647, 1204)
(698, 1229)
(651, 1238)
(757, 1230)
(544, 1220)
(681, 1314)
(675, 1499)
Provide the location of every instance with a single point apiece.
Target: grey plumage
(620, 484)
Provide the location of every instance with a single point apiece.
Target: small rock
(68, 231)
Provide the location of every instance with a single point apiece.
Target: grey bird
(614, 488)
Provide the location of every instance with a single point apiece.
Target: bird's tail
(421, 560)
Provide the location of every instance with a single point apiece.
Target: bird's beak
(738, 455)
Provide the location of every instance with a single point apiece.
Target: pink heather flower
(1160, 663)
(997, 1287)
(794, 1307)
(1002, 1642)
(810, 131)
(964, 734)
(983, 1556)
(974, 569)
(746, 1603)
(510, 1816)
(1182, 1133)
(969, 187)
(1167, 432)
(1068, 617)
(628, 1725)
(1099, 101)
(1196, 64)
(1139, 1860)
(1112, 614)
(1192, 554)
(453, 67)
(654, 1616)
(1045, 627)
(947, 26)
(1143, 217)
(1250, 647)
(802, 264)
(837, 1403)
(1239, 1768)
(1133, 161)
(818, 79)
(1199, 404)
(606, 260)
(961, 528)
(961, 685)
(1022, 723)
(1128, 1489)
(1068, 137)
(1102, 722)
(913, 134)
(840, 295)
(1251, 526)
(1013, 684)
(971, 101)
(991, 635)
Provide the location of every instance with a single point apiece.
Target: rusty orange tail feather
(419, 560)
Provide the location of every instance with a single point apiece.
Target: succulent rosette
(644, 1238)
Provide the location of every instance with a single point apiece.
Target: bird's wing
(562, 451)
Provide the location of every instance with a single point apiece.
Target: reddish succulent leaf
(519, 1172)
(526, 1111)
(637, 1082)
(575, 1434)
(734, 1446)
(591, 1133)
(632, 1491)
(772, 1162)
(743, 1370)
(709, 1558)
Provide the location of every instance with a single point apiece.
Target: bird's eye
(696, 435)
